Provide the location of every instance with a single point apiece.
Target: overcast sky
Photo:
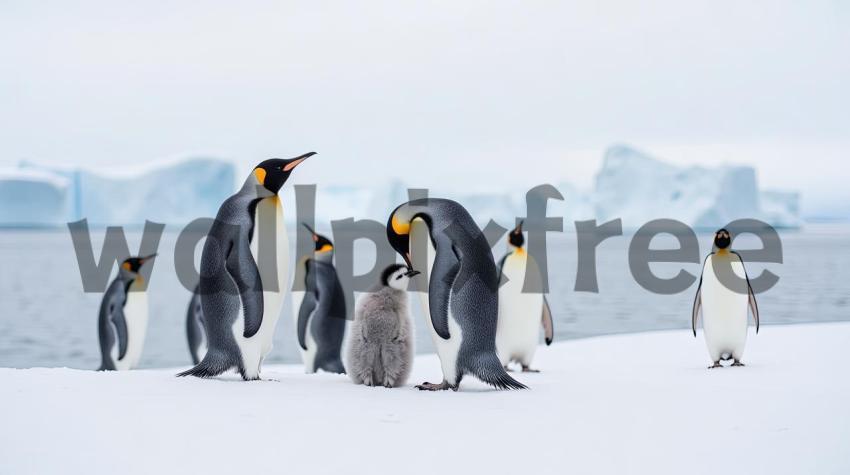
(502, 93)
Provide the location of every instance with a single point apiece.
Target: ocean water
(47, 320)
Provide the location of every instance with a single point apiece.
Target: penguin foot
(526, 369)
(738, 363)
(435, 387)
(715, 365)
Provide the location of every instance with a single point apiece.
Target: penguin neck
(254, 189)
(326, 256)
(519, 251)
(722, 252)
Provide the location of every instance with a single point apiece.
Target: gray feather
(380, 351)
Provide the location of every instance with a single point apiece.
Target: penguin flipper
(308, 303)
(119, 323)
(546, 320)
(446, 265)
(501, 266)
(751, 296)
(754, 307)
(696, 308)
(308, 306)
(242, 268)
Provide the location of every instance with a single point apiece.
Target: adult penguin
(123, 319)
(462, 292)
(320, 314)
(240, 300)
(723, 296)
(523, 308)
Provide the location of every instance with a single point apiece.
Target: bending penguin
(723, 300)
(521, 313)
(195, 332)
(462, 294)
(380, 351)
(240, 300)
(319, 310)
(123, 319)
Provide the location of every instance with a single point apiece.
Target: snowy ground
(624, 404)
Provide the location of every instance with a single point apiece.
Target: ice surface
(642, 403)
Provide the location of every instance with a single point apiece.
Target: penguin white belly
(257, 347)
(518, 327)
(136, 317)
(724, 314)
(308, 356)
(447, 350)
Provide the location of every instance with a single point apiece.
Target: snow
(642, 403)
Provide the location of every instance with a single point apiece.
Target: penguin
(461, 298)
(241, 300)
(724, 304)
(520, 313)
(380, 350)
(195, 332)
(123, 319)
(320, 314)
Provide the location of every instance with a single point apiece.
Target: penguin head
(131, 266)
(271, 174)
(397, 276)
(722, 239)
(398, 234)
(323, 246)
(515, 237)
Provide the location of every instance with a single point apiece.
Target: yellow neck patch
(399, 227)
(326, 248)
(260, 174)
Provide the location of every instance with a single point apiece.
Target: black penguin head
(397, 276)
(321, 243)
(132, 265)
(398, 234)
(722, 239)
(274, 172)
(515, 237)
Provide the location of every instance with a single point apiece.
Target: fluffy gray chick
(380, 352)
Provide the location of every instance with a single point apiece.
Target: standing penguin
(723, 299)
(244, 273)
(380, 352)
(521, 313)
(462, 294)
(320, 314)
(123, 319)
(195, 332)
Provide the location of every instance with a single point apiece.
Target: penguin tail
(213, 364)
(487, 368)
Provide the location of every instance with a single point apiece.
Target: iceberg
(174, 192)
(638, 188)
(32, 198)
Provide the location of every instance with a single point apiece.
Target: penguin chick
(380, 352)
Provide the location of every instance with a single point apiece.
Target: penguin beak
(412, 273)
(292, 163)
(315, 236)
(147, 258)
(518, 228)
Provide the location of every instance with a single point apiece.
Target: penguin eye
(399, 277)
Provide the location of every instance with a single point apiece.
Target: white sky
(502, 93)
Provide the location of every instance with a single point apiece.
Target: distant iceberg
(639, 188)
(32, 198)
(174, 192)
